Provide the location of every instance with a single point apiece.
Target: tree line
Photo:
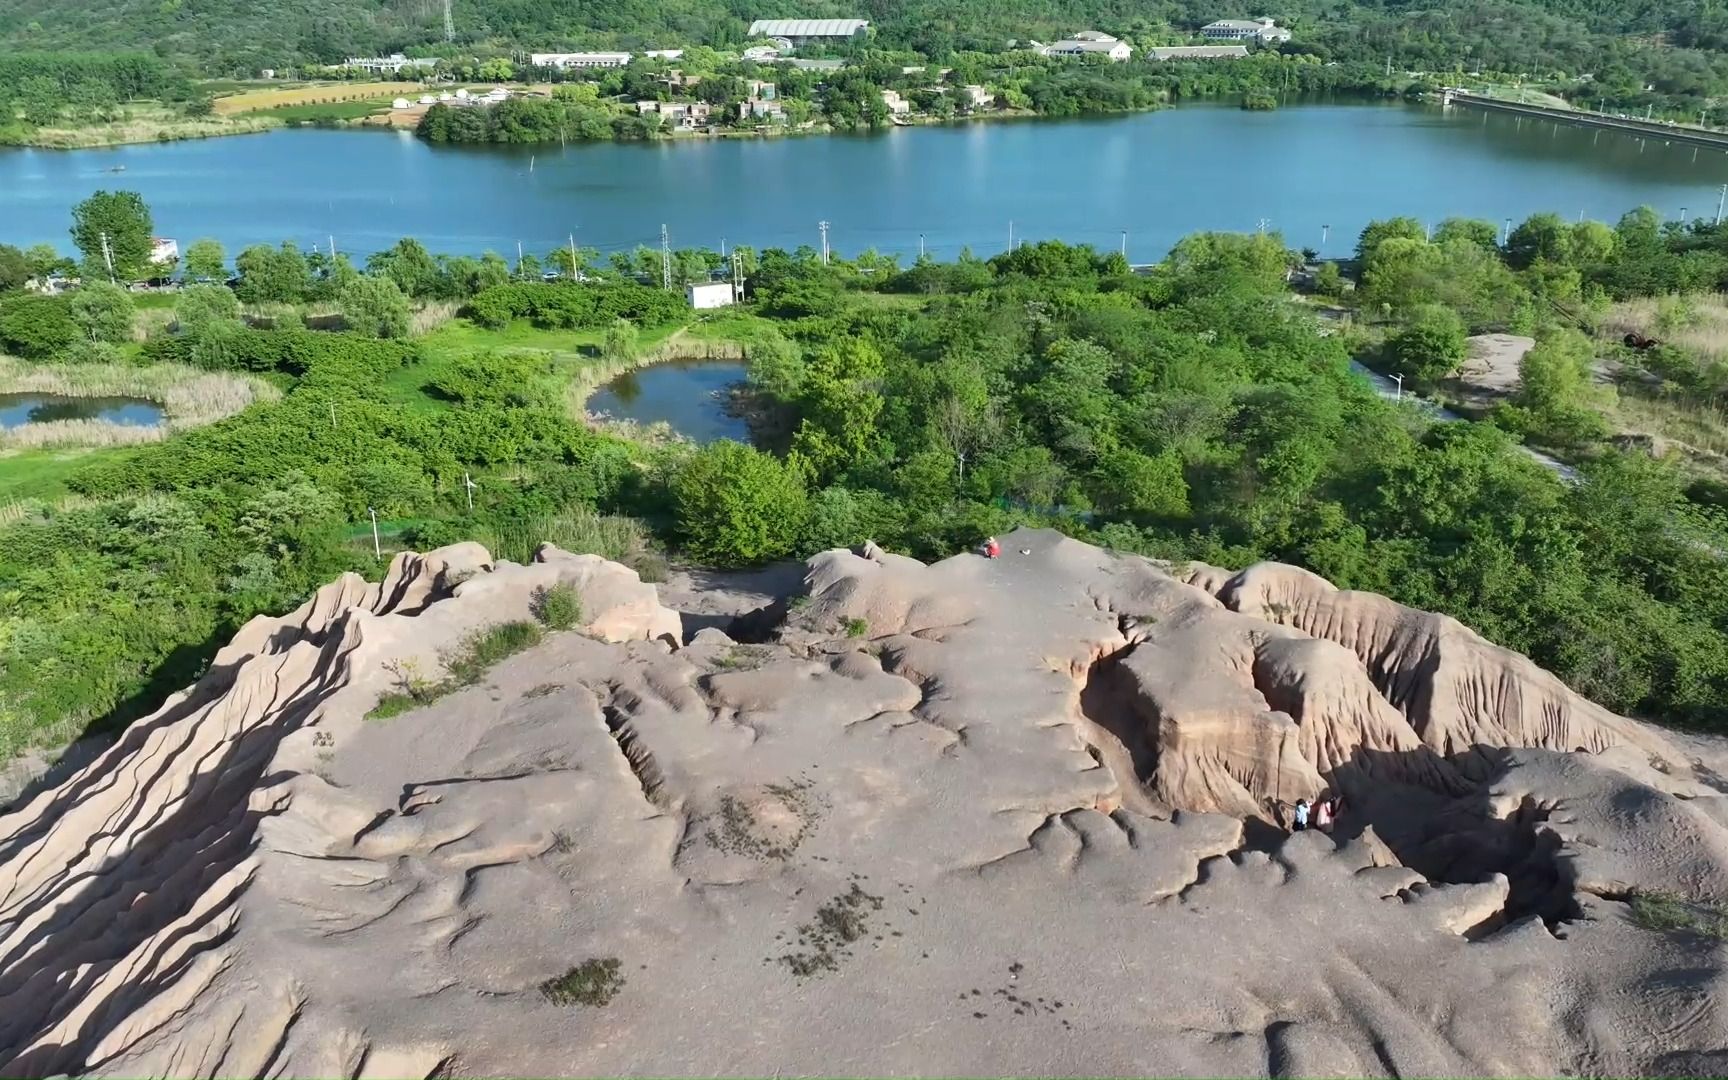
(1195, 412)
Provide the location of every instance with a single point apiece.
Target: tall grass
(431, 315)
(165, 128)
(189, 398)
(576, 530)
(1697, 323)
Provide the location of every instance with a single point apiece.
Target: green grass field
(570, 352)
(41, 474)
(326, 112)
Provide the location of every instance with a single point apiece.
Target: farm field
(252, 101)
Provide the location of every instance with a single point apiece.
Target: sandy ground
(1490, 374)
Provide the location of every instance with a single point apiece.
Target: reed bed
(431, 315)
(189, 398)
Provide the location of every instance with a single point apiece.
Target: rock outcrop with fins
(1019, 816)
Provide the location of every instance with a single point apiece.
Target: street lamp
(1399, 379)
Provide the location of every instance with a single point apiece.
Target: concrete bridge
(1649, 129)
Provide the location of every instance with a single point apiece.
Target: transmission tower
(665, 259)
(823, 225)
(449, 23)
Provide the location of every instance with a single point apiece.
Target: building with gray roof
(807, 31)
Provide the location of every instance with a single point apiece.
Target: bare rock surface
(1017, 817)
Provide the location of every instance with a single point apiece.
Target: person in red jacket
(991, 548)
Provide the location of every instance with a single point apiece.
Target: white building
(712, 294)
(807, 31)
(399, 103)
(579, 59)
(1088, 43)
(976, 97)
(392, 64)
(897, 105)
(761, 109)
(1263, 30)
(664, 54)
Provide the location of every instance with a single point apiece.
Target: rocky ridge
(1016, 816)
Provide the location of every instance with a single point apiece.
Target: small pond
(16, 410)
(689, 395)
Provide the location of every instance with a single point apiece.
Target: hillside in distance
(1020, 816)
(239, 37)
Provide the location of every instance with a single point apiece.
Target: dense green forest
(1675, 47)
(1197, 412)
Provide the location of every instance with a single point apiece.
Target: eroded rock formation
(1017, 816)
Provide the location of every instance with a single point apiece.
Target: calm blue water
(1157, 176)
(16, 410)
(688, 394)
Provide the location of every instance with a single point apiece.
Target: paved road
(1389, 390)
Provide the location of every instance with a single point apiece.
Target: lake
(17, 410)
(687, 394)
(1156, 176)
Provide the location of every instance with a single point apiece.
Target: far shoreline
(270, 125)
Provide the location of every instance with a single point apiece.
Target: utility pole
(518, 258)
(572, 256)
(377, 550)
(1010, 234)
(332, 416)
(920, 245)
(1682, 217)
(1399, 379)
(332, 250)
(665, 259)
(1325, 231)
(468, 486)
(1506, 233)
(823, 225)
(107, 255)
(1124, 244)
(1719, 200)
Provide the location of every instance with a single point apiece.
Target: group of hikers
(1321, 815)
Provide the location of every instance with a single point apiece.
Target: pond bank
(684, 392)
(189, 397)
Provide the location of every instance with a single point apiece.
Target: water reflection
(1157, 175)
(689, 395)
(16, 410)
